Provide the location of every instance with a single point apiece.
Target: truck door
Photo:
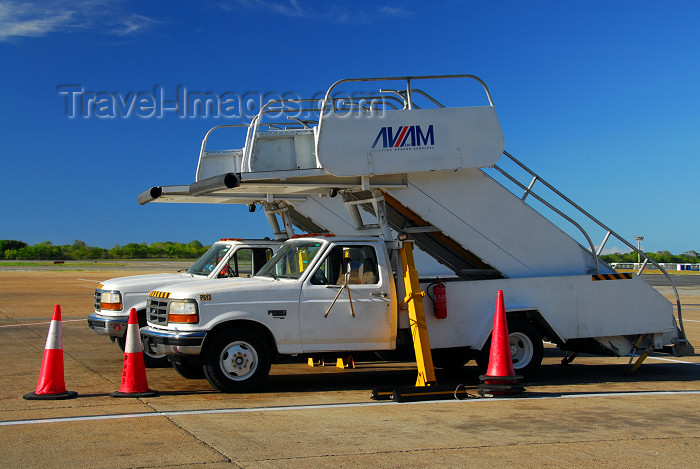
(369, 289)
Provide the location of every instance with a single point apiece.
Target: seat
(369, 268)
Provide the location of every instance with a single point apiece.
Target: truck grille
(157, 310)
(98, 298)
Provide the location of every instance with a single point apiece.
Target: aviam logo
(405, 136)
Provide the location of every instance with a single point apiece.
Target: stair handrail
(268, 108)
(255, 123)
(609, 232)
(408, 84)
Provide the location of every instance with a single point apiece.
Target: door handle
(380, 294)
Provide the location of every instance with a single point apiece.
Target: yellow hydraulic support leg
(630, 370)
(416, 315)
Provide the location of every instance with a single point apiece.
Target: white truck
(383, 173)
(294, 306)
(114, 298)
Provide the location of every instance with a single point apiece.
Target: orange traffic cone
(500, 378)
(134, 382)
(51, 384)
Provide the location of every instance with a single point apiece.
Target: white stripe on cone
(133, 339)
(54, 341)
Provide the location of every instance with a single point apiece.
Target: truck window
(260, 258)
(332, 269)
(209, 260)
(246, 262)
(292, 260)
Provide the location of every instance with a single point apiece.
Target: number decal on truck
(205, 297)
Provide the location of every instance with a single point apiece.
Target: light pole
(639, 248)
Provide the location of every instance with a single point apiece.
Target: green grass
(51, 263)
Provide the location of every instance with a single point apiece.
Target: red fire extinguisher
(439, 299)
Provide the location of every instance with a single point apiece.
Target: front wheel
(526, 348)
(237, 361)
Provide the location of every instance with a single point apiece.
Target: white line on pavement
(673, 360)
(42, 322)
(324, 406)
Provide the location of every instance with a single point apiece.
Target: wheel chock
(319, 362)
(429, 393)
(494, 389)
(381, 394)
(346, 362)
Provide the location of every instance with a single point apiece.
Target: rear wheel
(526, 348)
(237, 361)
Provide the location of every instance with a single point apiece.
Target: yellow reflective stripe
(625, 276)
(159, 294)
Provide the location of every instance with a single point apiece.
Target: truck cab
(114, 298)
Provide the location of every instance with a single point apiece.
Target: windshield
(207, 263)
(292, 260)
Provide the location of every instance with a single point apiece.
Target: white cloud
(31, 20)
(332, 12)
(291, 8)
(36, 19)
(132, 24)
(394, 11)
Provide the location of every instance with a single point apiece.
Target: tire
(526, 348)
(237, 360)
(188, 368)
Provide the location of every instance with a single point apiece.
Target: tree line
(19, 250)
(688, 257)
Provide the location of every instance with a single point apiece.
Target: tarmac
(583, 414)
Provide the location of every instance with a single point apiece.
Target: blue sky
(599, 97)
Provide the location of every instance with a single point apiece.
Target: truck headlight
(111, 300)
(183, 311)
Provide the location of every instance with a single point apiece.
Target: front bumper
(173, 342)
(108, 325)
